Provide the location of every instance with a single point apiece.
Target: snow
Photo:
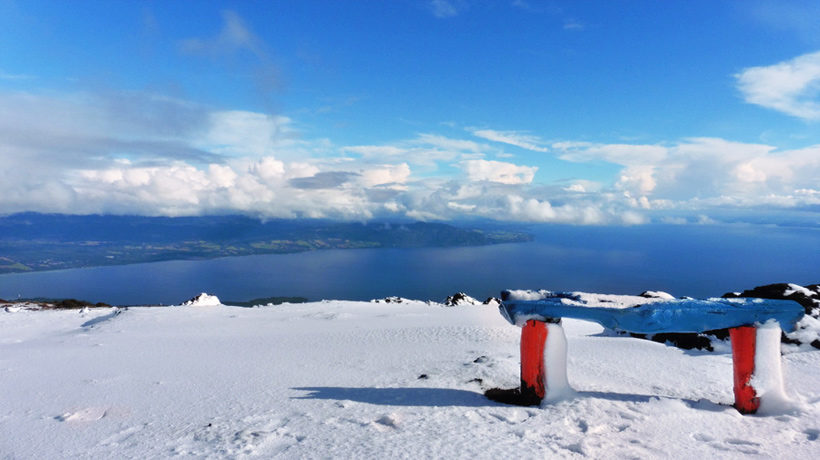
(767, 379)
(588, 299)
(522, 294)
(807, 330)
(555, 363)
(339, 379)
(796, 288)
(658, 295)
(203, 300)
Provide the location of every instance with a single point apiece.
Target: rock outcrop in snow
(657, 295)
(808, 329)
(203, 300)
(492, 301)
(460, 298)
(392, 299)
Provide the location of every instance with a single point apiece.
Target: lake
(698, 261)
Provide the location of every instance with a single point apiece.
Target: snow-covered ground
(366, 380)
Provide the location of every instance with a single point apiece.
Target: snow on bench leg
(767, 379)
(533, 379)
(555, 364)
(744, 339)
(544, 362)
(757, 368)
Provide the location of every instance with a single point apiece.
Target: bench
(754, 328)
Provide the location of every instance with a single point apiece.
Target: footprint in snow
(89, 414)
(249, 436)
(387, 421)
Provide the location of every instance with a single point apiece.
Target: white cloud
(791, 87)
(515, 138)
(638, 180)
(242, 133)
(498, 171)
(385, 175)
(269, 168)
(581, 213)
(583, 186)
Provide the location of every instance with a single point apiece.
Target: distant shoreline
(48, 242)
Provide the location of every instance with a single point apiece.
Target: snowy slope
(365, 380)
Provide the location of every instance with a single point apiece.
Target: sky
(577, 112)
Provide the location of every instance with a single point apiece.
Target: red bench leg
(743, 360)
(533, 340)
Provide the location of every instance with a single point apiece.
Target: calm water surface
(698, 261)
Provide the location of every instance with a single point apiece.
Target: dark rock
(778, 291)
(692, 341)
(459, 298)
(785, 291)
(393, 299)
(423, 377)
(74, 304)
(687, 341)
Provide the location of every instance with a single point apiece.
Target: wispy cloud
(515, 138)
(426, 149)
(15, 76)
(791, 87)
(623, 154)
(234, 38)
(444, 8)
(798, 16)
(571, 24)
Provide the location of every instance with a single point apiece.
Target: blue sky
(602, 113)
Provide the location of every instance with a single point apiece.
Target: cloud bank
(141, 153)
